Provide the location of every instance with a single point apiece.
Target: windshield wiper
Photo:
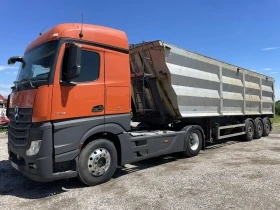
(24, 80)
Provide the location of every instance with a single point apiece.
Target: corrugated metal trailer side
(192, 85)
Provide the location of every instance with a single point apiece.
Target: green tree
(277, 107)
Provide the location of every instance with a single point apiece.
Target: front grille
(19, 126)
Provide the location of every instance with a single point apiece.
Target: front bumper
(39, 167)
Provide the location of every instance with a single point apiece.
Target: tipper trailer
(80, 86)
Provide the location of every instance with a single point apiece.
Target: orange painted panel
(42, 104)
(91, 33)
(37, 99)
(117, 102)
(117, 82)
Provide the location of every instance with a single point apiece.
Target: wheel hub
(250, 131)
(259, 129)
(99, 162)
(194, 141)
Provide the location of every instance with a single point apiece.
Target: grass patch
(276, 121)
(3, 129)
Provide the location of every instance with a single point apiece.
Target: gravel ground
(228, 175)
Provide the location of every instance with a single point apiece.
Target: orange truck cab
(54, 112)
(70, 108)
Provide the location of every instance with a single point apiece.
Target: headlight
(34, 148)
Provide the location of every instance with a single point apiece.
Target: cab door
(85, 96)
(78, 106)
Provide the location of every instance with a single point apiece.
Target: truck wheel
(97, 162)
(258, 129)
(249, 130)
(266, 126)
(193, 142)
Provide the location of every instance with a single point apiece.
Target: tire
(266, 126)
(193, 142)
(249, 130)
(97, 162)
(258, 128)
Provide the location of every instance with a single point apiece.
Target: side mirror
(74, 62)
(14, 59)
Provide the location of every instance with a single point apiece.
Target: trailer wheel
(258, 129)
(249, 130)
(266, 126)
(193, 142)
(97, 162)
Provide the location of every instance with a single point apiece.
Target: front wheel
(193, 142)
(97, 162)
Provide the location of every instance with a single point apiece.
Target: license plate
(15, 166)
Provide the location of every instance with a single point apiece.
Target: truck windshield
(39, 62)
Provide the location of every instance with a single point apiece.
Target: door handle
(98, 108)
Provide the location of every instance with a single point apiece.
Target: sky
(243, 33)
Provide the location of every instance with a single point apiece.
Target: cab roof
(91, 33)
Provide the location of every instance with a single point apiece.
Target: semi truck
(80, 87)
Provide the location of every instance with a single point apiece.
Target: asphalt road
(229, 175)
